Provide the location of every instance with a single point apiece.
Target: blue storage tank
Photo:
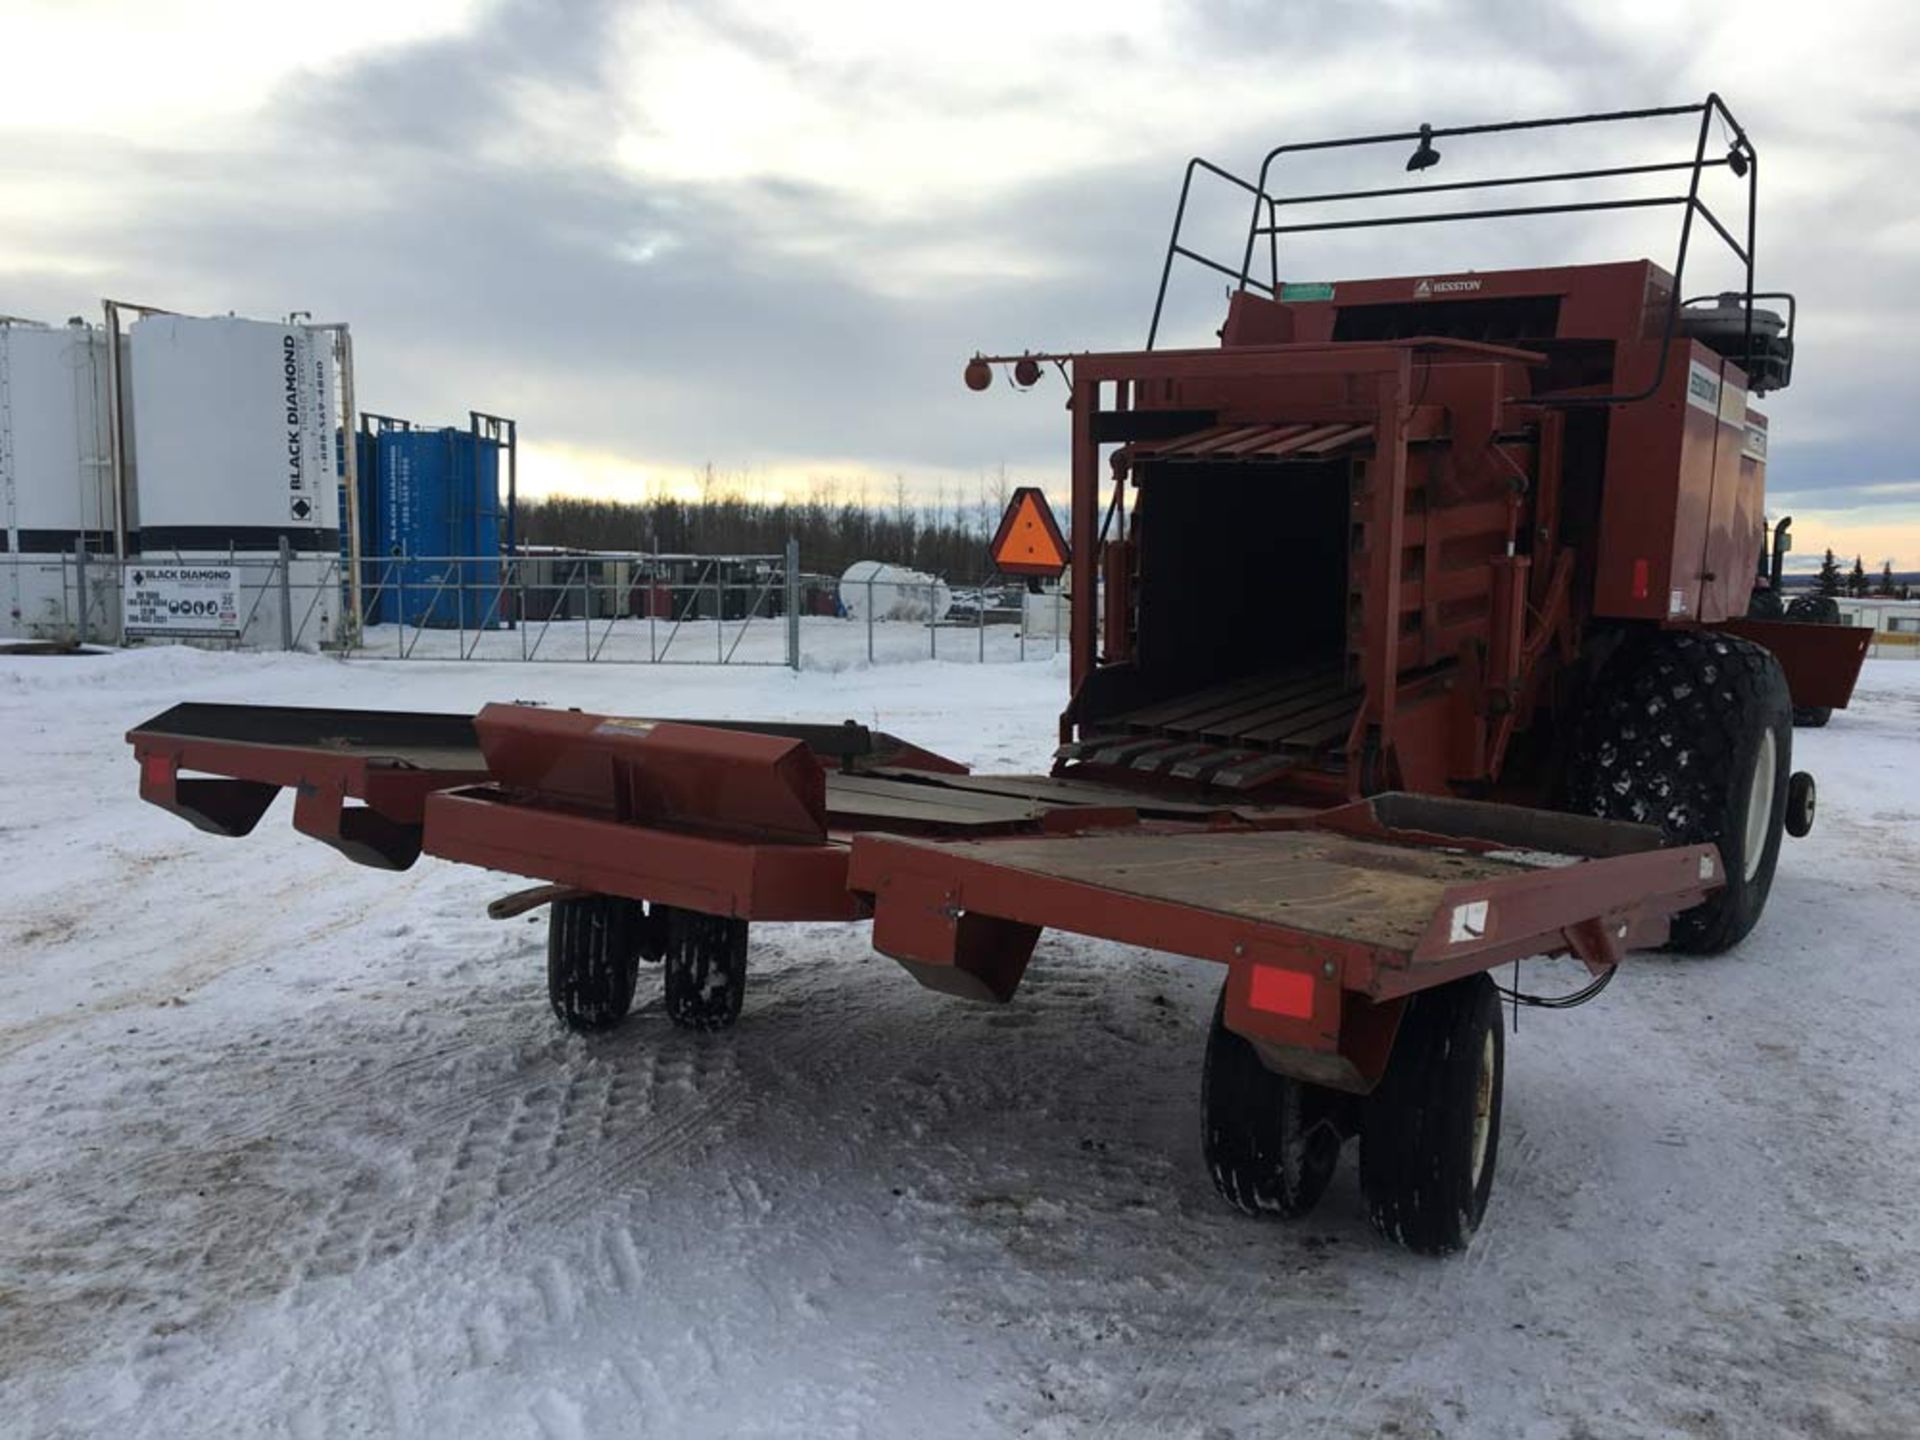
(437, 529)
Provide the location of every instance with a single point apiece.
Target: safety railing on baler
(1741, 159)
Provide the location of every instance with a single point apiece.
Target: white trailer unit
(893, 592)
(55, 482)
(235, 426)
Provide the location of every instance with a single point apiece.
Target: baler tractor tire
(706, 969)
(1813, 610)
(1271, 1142)
(592, 960)
(1430, 1130)
(1692, 731)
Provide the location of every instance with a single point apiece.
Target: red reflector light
(156, 770)
(1640, 585)
(1282, 992)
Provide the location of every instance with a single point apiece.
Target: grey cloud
(377, 193)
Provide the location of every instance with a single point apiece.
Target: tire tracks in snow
(693, 1087)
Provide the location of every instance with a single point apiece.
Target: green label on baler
(1315, 290)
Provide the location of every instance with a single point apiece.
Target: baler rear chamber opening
(1241, 614)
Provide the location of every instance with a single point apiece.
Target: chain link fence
(583, 607)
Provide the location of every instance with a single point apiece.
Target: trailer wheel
(1692, 731)
(1430, 1131)
(592, 960)
(1271, 1142)
(706, 969)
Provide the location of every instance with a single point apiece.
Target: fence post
(980, 619)
(79, 587)
(793, 604)
(869, 620)
(933, 620)
(285, 568)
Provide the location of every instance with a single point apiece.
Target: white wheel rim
(1766, 762)
(1482, 1108)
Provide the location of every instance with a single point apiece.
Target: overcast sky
(766, 237)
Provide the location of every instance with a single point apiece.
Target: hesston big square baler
(1422, 648)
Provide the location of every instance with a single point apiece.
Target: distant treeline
(945, 539)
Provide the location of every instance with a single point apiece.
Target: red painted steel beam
(397, 791)
(718, 876)
(659, 772)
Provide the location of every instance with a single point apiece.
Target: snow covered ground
(294, 1148)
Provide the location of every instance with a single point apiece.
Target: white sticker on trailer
(1469, 922)
(181, 600)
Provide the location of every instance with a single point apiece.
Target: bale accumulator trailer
(1512, 519)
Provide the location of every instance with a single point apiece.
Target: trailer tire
(1271, 1142)
(1692, 731)
(592, 960)
(706, 968)
(1430, 1130)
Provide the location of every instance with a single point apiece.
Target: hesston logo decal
(1425, 289)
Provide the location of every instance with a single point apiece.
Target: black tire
(1765, 604)
(1674, 735)
(592, 960)
(1271, 1142)
(1430, 1131)
(706, 969)
(1813, 610)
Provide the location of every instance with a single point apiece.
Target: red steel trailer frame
(1328, 920)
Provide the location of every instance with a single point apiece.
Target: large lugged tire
(592, 960)
(706, 969)
(1430, 1131)
(1813, 610)
(1271, 1142)
(1692, 731)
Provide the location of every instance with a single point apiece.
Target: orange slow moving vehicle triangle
(1028, 541)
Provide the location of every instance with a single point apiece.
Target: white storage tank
(893, 593)
(55, 481)
(234, 421)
